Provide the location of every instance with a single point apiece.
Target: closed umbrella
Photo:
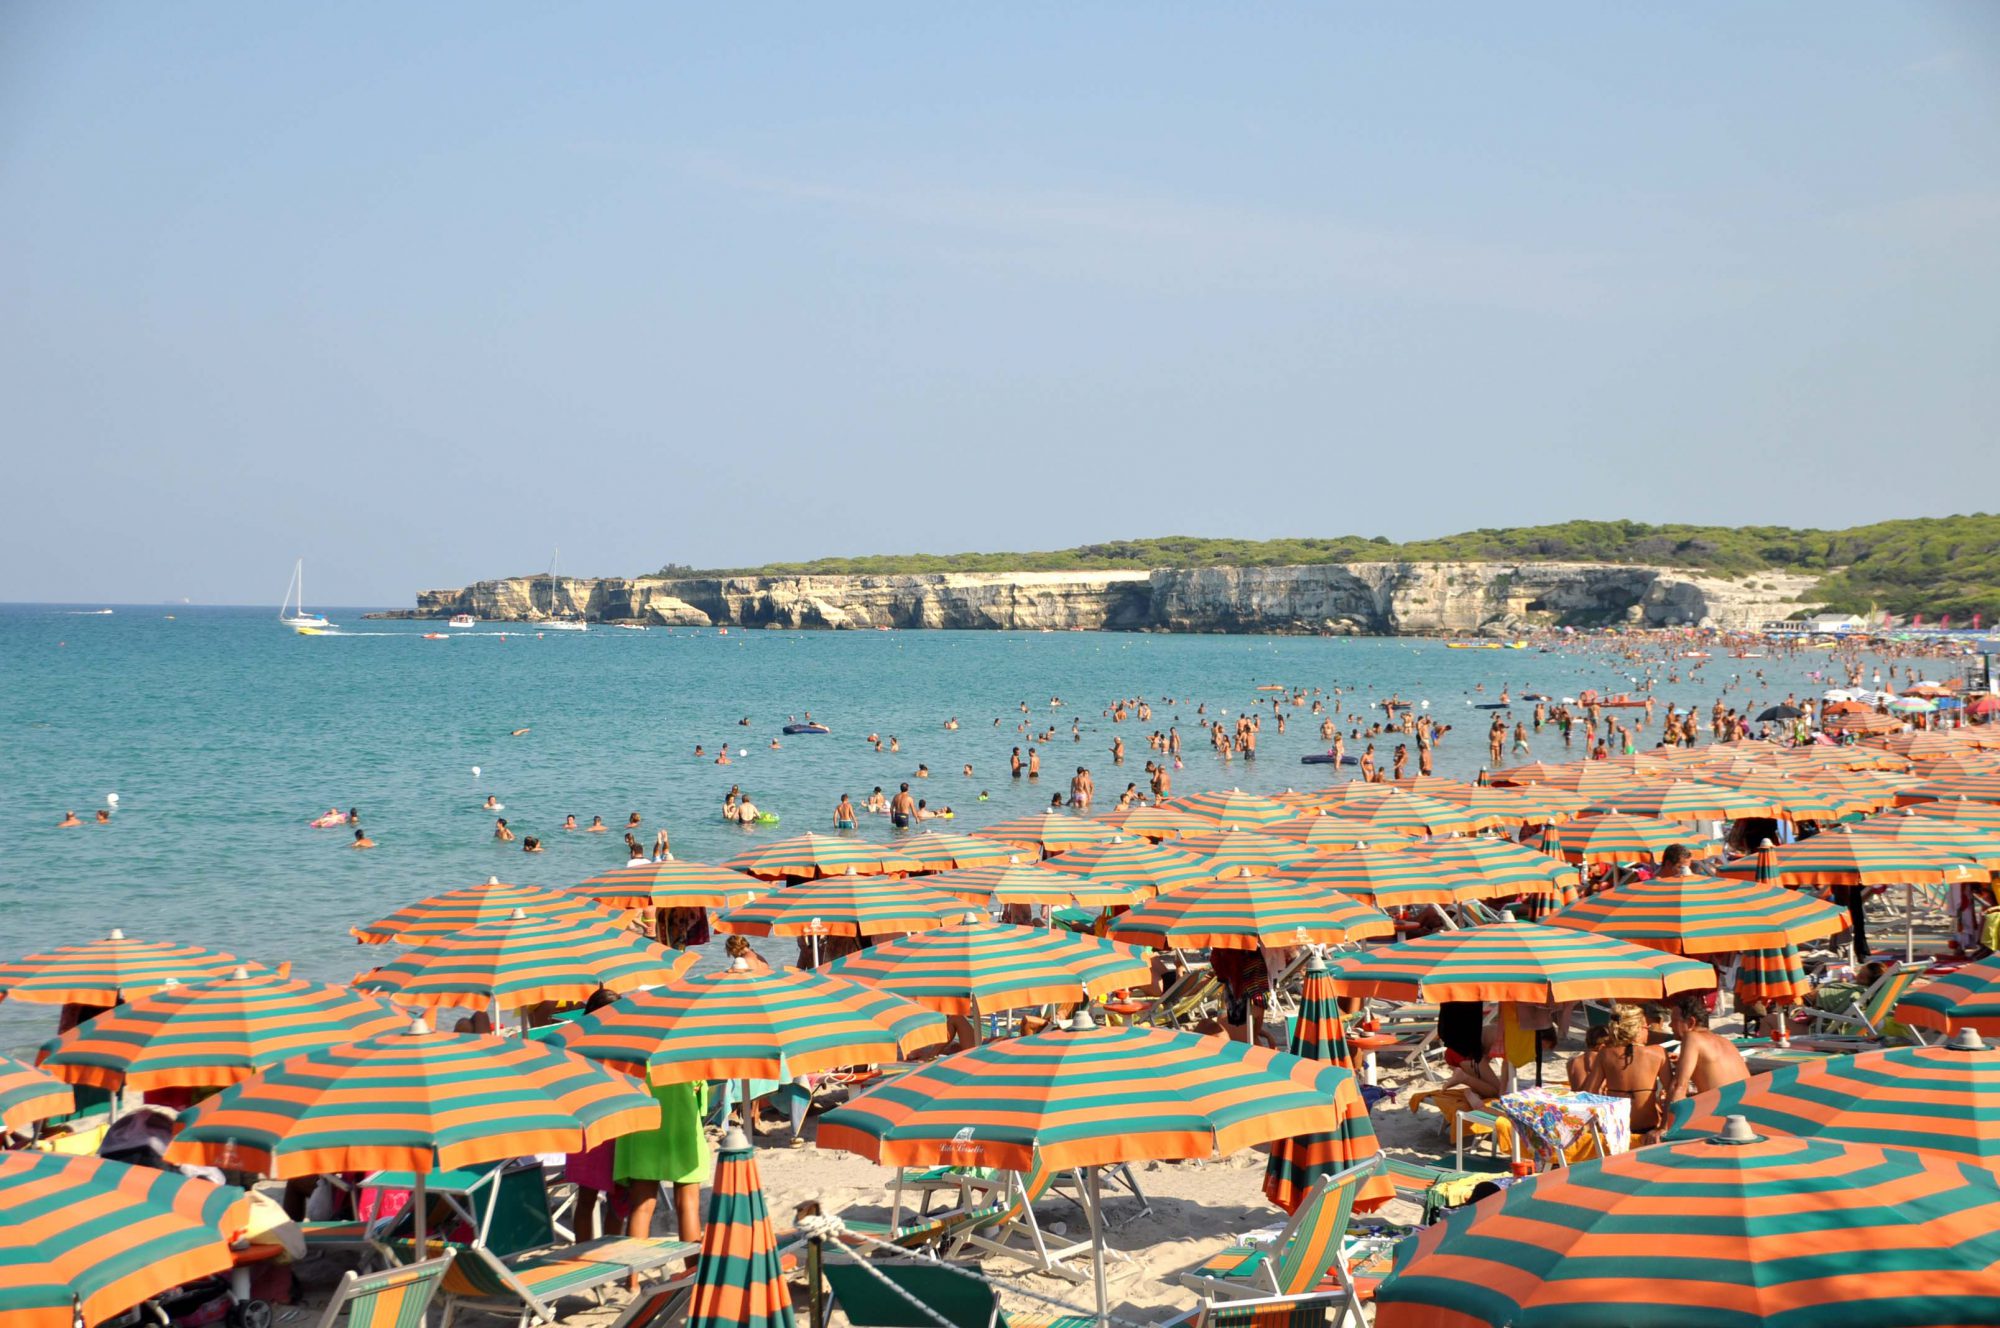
(739, 1281)
(1298, 1162)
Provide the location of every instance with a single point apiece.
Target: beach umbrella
(1155, 823)
(1297, 1162)
(1863, 722)
(1780, 711)
(1919, 747)
(1983, 705)
(1614, 837)
(1967, 997)
(1328, 834)
(1515, 961)
(111, 970)
(1354, 790)
(1943, 1099)
(1796, 799)
(1386, 875)
(1537, 772)
(1978, 846)
(1965, 811)
(29, 1096)
(669, 884)
(1978, 787)
(1967, 763)
(809, 856)
(1516, 806)
(1248, 912)
(1484, 867)
(477, 906)
(1049, 832)
(1239, 850)
(82, 1239)
(1234, 807)
(1694, 800)
(523, 961)
(844, 906)
(1841, 857)
(747, 1023)
(1437, 786)
(1699, 915)
(1411, 814)
(211, 1034)
(943, 850)
(979, 966)
(739, 1281)
(1024, 881)
(1729, 1230)
(1135, 862)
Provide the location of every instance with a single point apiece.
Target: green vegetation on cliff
(1929, 565)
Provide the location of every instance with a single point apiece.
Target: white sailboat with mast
(555, 622)
(292, 613)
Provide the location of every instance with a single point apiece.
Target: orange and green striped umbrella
(109, 971)
(1048, 832)
(980, 966)
(1516, 961)
(1521, 805)
(1967, 763)
(1536, 772)
(1437, 786)
(809, 856)
(1411, 814)
(1980, 788)
(1234, 807)
(1710, 1233)
(1330, 834)
(1701, 915)
(523, 961)
(1385, 875)
(477, 906)
(211, 1034)
(1975, 845)
(28, 1095)
(1297, 1163)
(1135, 862)
(1919, 747)
(1968, 997)
(669, 884)
(1694, 800)
(1863, 722)
(1248, 912)
(1237, 850)
(1154, 823)
(1965, 811)
(82, 1239)
(1033, 882)
(1776, 975)
(745, 1023)
(739, 1280)
(1354, 790)
(943, 850)
(1937, 1099)
(1615, 837)
(1482, 867)
(1841, 857)
(1088, 1096)
(844, 906)
(412, 1101)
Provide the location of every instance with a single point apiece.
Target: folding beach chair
(1309, 1250)
(392, 1298)
(1013, 1232)
(1435, 1188)
(658, 1304)
(1868, 1016)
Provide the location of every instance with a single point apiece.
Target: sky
(421, 292)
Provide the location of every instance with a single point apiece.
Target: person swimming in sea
(569, 822)
(69, 820)
(531, 845)
(103, 816)
(361, 839)
(843, 815)
(492, 804)
(500, 830)
(597, 827)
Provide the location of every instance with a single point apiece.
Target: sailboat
(555, 624)
(292, 613)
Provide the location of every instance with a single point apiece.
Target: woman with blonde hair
(1628, 1066)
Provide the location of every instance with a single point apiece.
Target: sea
(220, 734)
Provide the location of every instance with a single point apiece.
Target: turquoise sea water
(222, 733)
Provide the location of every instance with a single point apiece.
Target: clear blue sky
(420, 291)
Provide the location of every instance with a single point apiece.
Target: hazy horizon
(419, 294)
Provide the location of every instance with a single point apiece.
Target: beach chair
(1310, 1249)
(1868, 1016)
(1013, 1232)
(879, 1295)
(1434, 1188)
(658, 1304)
(392, 1298)
(928, 1182)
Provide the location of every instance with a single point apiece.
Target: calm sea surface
(222, 734)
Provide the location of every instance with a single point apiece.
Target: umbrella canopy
(523, 961)
(1249, 912)
(942, 850)
(1515, 961)
(1298, 1162)
(1936, 1099)
(1049, 832)
(1866, 721)
(412, 1101)
(211, 1034)
(109, 971)
(1703, 915)
(1919, 747)
(81, 1232)
(1155, 822)
(1239, 850)
(669, 884)
(1615, 837)
(845, 906)
(1968, 997)
(1033, 882)
(478, 906)
(1234, 807)
(809, 856)
(1970, 842)
(739, 1281)
(1780, 711)
(1979, 787)
(1710, 1232)
(1516, 806)
(745, 1023)
(1125, 861)
(1966, 811)
(1385, 875)
(987, 966)
(1089, 1096)
(1840, 857)
(1482, 867)
(1536, 772)
(1408, 814)
(28, 1096)
(1694, 800)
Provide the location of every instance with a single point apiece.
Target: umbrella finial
(518, 915)
(1316, 964)
(117, 933)
(1081, 1022)
(969, 917)
(493, 880)
(419, 1026)
(1764, 845)
(736, 1141)
(1507, 915)
(242, 974)
(742, 962)
(1736, 1131)
(1967, 1039)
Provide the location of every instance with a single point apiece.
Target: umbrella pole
(1909, 923)
(423, 1236)
(1094, 1192)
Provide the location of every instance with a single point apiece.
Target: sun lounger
(658, 1304)
(532, 1283)
(1014, 1232)
(1436, 1188)
(392, 1298)
(1307, 1251)
(1868, 1016)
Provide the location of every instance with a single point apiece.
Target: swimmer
(951, 723)
(520, 733)
(68, 820)
(698, 751)
(597, 827)
(877, 804)
(843, 815)
(663, 849)
(746, 811)
(492, 804)
(968, 770)
(103, 817)
(632, 821)
(531, 845)
(774, 744)
(923, 772)
(361, 840)
(569, 822)
(500, 830)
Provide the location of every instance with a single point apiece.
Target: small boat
(792, 730)
(312, 631)
(463, 620)
(292, 612)
(630, 627)
(437, 636)
(554, 623)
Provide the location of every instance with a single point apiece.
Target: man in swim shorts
(843, 815)
(902, 807)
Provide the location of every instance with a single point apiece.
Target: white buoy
(475, 772)
(111, 799)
